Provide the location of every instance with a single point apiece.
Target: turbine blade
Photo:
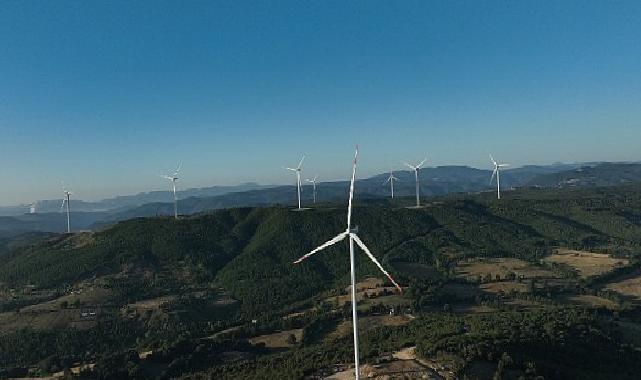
(292, 169)
(371, 257)
(493, 174)
(409, 166)
(330, 242)
(387, 180)
(180, 165)
(492, 159)
(422, 162)
(301, 162)
(351, 192)
(503, 165)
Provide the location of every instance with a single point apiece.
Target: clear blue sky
(108, 95)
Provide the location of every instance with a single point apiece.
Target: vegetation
(217, 296)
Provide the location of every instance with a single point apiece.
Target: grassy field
(504, 287)
(587, 264)
(592, 301)
(629, 285)
(279, 339)
(471, 270)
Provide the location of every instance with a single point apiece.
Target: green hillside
(192, 291)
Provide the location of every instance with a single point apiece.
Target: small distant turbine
(391, 180)
(497, 172)
(351, 233)
(173, 178)
(313, 182)
(32, 207)
(416, 169)
(298, 171)
(66, 200)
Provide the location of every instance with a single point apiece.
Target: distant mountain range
(435, 181)
(127, 201)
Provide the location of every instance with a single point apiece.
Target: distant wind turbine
(497, 172)
(391, 180)
(313, 182)
(298, 171)
(351, 233)
(66, 200)
(32, 207)
(173, 178)
(416, 169)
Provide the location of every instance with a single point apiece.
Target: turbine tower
(173, 178)
(66, 200)
(351, 233)
(496, 172)
(313, 182)
(416, 169)
(391, 180)
(298, 171)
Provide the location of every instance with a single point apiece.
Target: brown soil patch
(587, 264)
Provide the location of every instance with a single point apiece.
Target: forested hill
(249, 251)
(197, 290)
(604, 174)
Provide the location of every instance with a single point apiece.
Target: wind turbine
(173, 178)
(32, 207)
(298, 170)
(313, 182)
(416, 168)
(391, 180)
(351, 233)
(496, 172)
(67, 200)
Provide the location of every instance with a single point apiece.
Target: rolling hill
(193, 292)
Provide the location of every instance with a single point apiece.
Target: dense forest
(531, 286)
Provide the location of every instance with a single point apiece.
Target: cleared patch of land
(587, 264)
(368, 283)
(629, 285)
(282, 339)
(593, 301)
(472, 270)
(504, 287)
(152, 303)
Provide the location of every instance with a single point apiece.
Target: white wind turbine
(32, 207)
(391, 180)
(351, 233)
(298, 171)
(497, 172)
(66, 200)
(173, 178)
(313, 182)
(416, 169)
